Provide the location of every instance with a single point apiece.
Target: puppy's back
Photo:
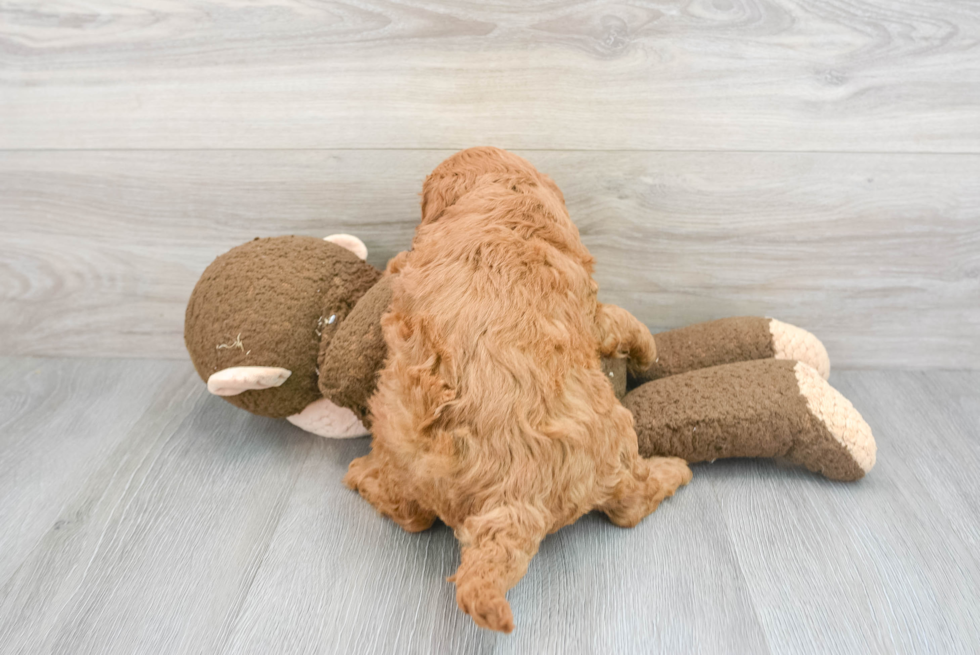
(499, 297)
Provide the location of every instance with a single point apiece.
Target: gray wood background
(814, 161)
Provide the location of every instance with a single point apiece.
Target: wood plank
(200, 528)
(885, 565)
(671, 583)
(879, 255)
(866, 75)
(157, 549)
(59, 420)
(936, 441)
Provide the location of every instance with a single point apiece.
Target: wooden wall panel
(863, 75)
(879, 255)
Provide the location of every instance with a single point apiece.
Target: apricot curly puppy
(492, 412)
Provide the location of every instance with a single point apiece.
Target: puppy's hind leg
(378, 483)
(640, 489)
(496, 549)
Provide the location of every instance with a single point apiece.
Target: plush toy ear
(350, 242)
(232, 381)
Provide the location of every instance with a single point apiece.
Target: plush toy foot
(842, 422)
(325, 419)
(762, 408)
(796, 344)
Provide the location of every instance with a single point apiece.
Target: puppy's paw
(487, 605)
(643, 353)
(670, 473)
(643, 488)
(357, 471)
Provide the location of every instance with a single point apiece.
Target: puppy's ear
(232, 381)
(350, 242)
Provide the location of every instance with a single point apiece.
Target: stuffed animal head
(265, 312)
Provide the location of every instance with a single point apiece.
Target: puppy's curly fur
(492, 412)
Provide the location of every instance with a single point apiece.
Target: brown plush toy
(748, 387)
(271, 316)
(289, 327)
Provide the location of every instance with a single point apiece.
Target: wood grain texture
(888, 564)
(376, 588)
(879, 255)
(861, 75)
(203, 529)
(157, 548)
(58, 423)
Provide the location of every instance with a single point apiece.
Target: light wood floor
(140, 514)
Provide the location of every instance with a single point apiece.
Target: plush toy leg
(325, 419)
(731, 340)
(763, 408)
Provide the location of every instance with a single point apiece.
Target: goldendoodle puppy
(492, 412)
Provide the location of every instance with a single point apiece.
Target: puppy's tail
(496, 549)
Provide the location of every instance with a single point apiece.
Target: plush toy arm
(763, 408)
(730, 340)
(349, 365)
